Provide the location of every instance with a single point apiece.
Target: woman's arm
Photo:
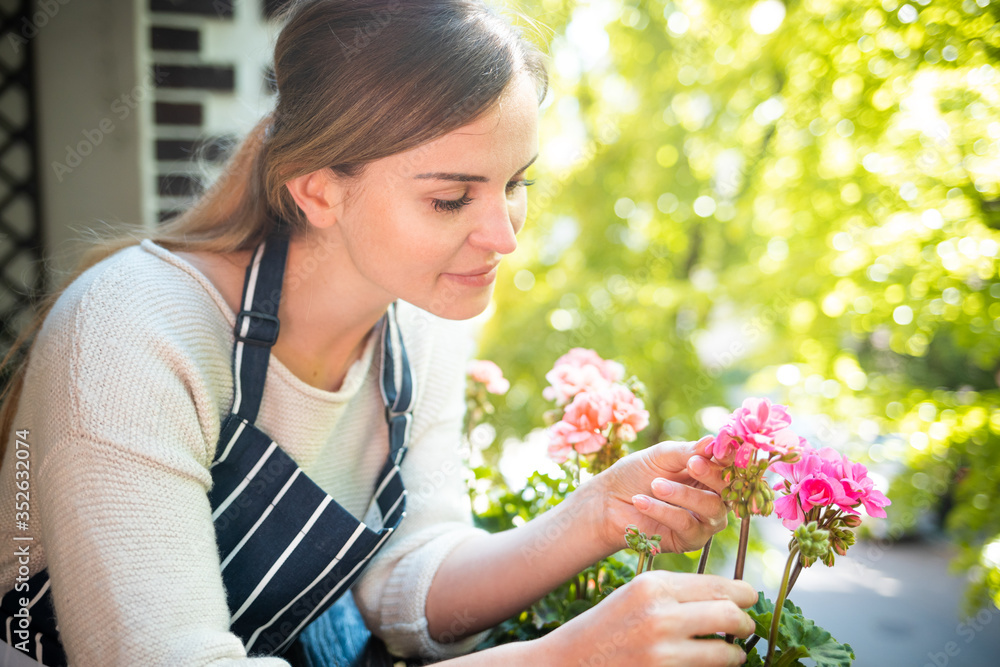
(490, 577)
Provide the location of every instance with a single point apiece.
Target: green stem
(795, 575)
(772, 637)
(703, 563)
(642, 561)
(741, 557)
(741, 552)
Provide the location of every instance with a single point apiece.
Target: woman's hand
(653, 621)
(671, 489)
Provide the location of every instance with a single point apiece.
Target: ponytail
(231, 215)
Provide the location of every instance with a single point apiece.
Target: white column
(94, 98)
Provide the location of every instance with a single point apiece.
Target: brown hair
(357, 80)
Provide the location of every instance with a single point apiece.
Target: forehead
(501, 140)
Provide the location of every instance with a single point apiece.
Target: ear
(320, 195)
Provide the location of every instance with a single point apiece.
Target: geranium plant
(820, 493)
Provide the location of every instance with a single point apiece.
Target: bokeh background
(798, 200)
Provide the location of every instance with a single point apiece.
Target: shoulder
(134, 297)
(137, 334)
(141, 282)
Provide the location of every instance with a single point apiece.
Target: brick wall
(211, 60)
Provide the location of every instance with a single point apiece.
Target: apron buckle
(265, 328)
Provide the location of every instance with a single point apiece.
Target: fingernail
(698, 465)
(662, 487)
(641, 502)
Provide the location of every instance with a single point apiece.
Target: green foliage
(504, 505)
(798, 637)
(563, 604)
(811, 214)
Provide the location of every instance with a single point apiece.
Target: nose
(497, 230)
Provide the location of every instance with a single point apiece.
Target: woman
(175, 512)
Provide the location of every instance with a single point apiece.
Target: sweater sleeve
(125, 424)
(392, 593)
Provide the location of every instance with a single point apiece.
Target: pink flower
(627, 409)
(818, 491)
(858, 488)
(585, 422)
(589, 411)
(758, 425)
(579, 370)
(489, 374)
(821, 479)
(595, 404)
(787, 507)
(566, 437)
(567, 381)
(580, 357)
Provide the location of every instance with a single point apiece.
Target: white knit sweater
(127, 386)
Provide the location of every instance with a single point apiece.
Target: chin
(459, 308)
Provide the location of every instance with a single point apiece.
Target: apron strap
(397, 386)
(257, 324)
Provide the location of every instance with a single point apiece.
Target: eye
(523, 183)
(451, 205)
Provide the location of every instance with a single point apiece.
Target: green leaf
(799, 637)
(754, 659)
(575, 608)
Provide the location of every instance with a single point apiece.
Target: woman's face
(430, 225)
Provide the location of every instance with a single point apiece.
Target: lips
(478, 272)
(480, 277)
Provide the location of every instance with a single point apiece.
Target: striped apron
(288, 550)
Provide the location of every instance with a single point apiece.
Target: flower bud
(814, 542)
(852, 520)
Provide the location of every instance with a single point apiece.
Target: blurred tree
(800, 200)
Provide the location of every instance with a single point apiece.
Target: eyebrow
(467, 178)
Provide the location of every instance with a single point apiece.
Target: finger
(701, 447)
(706, 472)
(708, 653)
(669, 457)
(706, 504)
(706, 617)
(674, 519)
(684, 587)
